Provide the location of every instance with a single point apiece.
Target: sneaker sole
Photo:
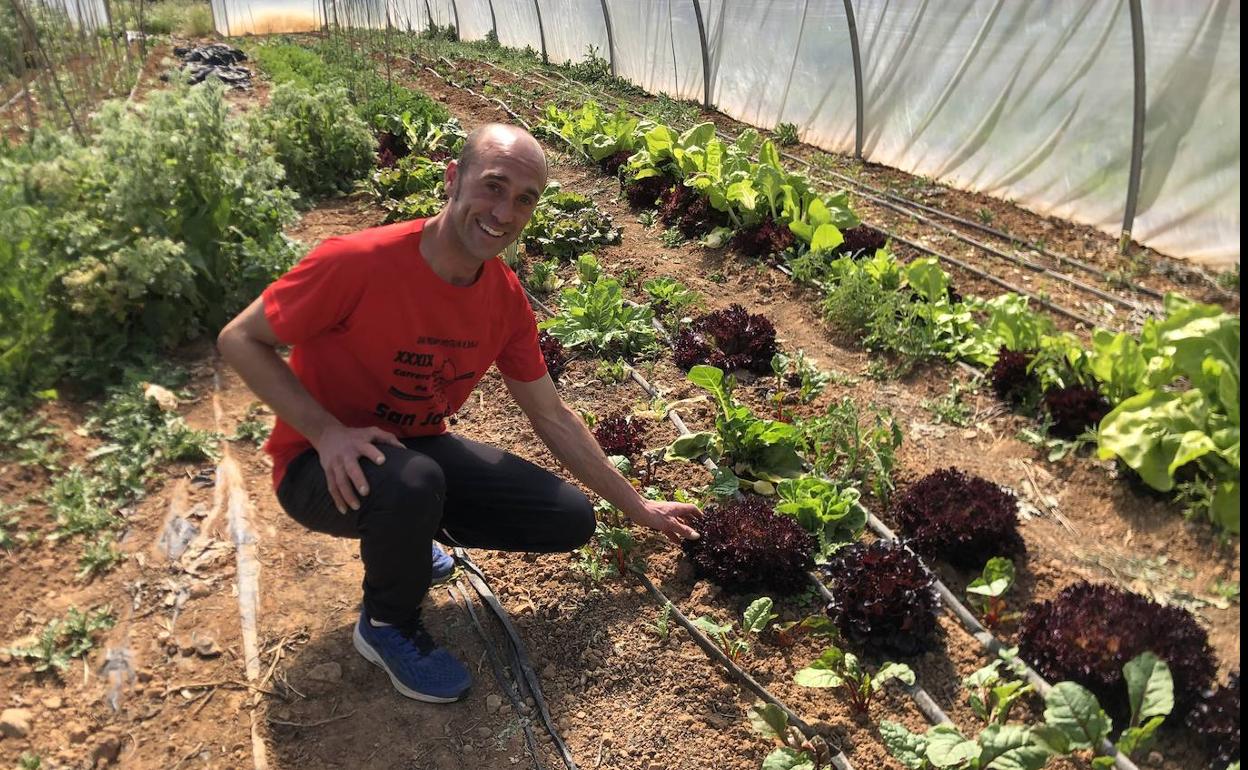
(366, 650)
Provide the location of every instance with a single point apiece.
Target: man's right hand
(340, 449)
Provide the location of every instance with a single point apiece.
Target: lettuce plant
(1011, 376)
(1074, 409)
(728, 339)
(1216, 719)
(745, 546)
(595, 316)
(831, 513)
(861, 241)
(958, 517)
(567, 224)
(619, 435)
(1089, 631)
(553, 354)
(763, 239)
(883, 598)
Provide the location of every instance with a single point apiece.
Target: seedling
(993, 694)
(62, 640)
(839, 669)
(253, 428)
(611, 371)
(802, 373)
(98, 558)
(671, 238)
(951, 408)
(820, 625)
(735, 643)
(796, 751)
(986, 592)
(9, 522)
(662, 622)
(647, 218)
(543, 277)
(786, 134)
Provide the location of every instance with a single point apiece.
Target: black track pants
(444, 487)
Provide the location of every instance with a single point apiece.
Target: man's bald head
(493, 137)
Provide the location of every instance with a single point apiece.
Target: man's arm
(563, 431)
(248, 343)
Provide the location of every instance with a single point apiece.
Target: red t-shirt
(381, 340)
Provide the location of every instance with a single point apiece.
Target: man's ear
(450, 177)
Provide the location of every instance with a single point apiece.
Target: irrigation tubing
(989, 249)
(898, 202)
(520, 654)
(497, 666)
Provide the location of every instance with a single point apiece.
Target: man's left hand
(670, 518)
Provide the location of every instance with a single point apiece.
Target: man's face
(492, 199)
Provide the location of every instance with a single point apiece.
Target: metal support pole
(1137, 126)
(455, 10)
(429, 13)
(706, 56)
(493, 21)
(541, 31)
(606, 18)
(859, 115)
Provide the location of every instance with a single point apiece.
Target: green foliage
(592, 132)
(410, 189)
(763, 450)
(596, 317)
(993, 693)
(670, 297)
(63, 640)
(160, 229)
(853, 449)
(567, 224)
(810, 379)
(1155, 429)
(986, 592)
(835, 668)
(98, 557)
(254, 428)
(335, 61)
(734, 643)
(830, 513)
(187, 18)
(609, 554)
(543, 277)
(28, 440)
(951, 408)
(796, 751)
(786, 134)
(9, 522)
(318, 138)
(1073, 721)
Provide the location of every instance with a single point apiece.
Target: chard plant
(986, 593)
(992, 692)
(1073, 721)
(794, 751)
(760, 450)
(670, 298)
(735, 643)
(818, 625)
(836, 668)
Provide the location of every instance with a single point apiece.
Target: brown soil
(622, 696)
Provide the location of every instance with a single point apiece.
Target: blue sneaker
(417, 667)
(443, 564)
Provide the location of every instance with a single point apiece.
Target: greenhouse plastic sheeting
(475, 19)
(1031, 102)
(247, 17)
(572, 26)
(1189, 198)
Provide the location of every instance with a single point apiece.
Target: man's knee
(576, 517)
(407, 481)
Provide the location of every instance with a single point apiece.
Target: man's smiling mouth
(489, 230)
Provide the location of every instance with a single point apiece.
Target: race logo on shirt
(422, 378)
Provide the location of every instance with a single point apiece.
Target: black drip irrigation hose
(520, 654)
(900, 202)
(461, 600)
(979, 272)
